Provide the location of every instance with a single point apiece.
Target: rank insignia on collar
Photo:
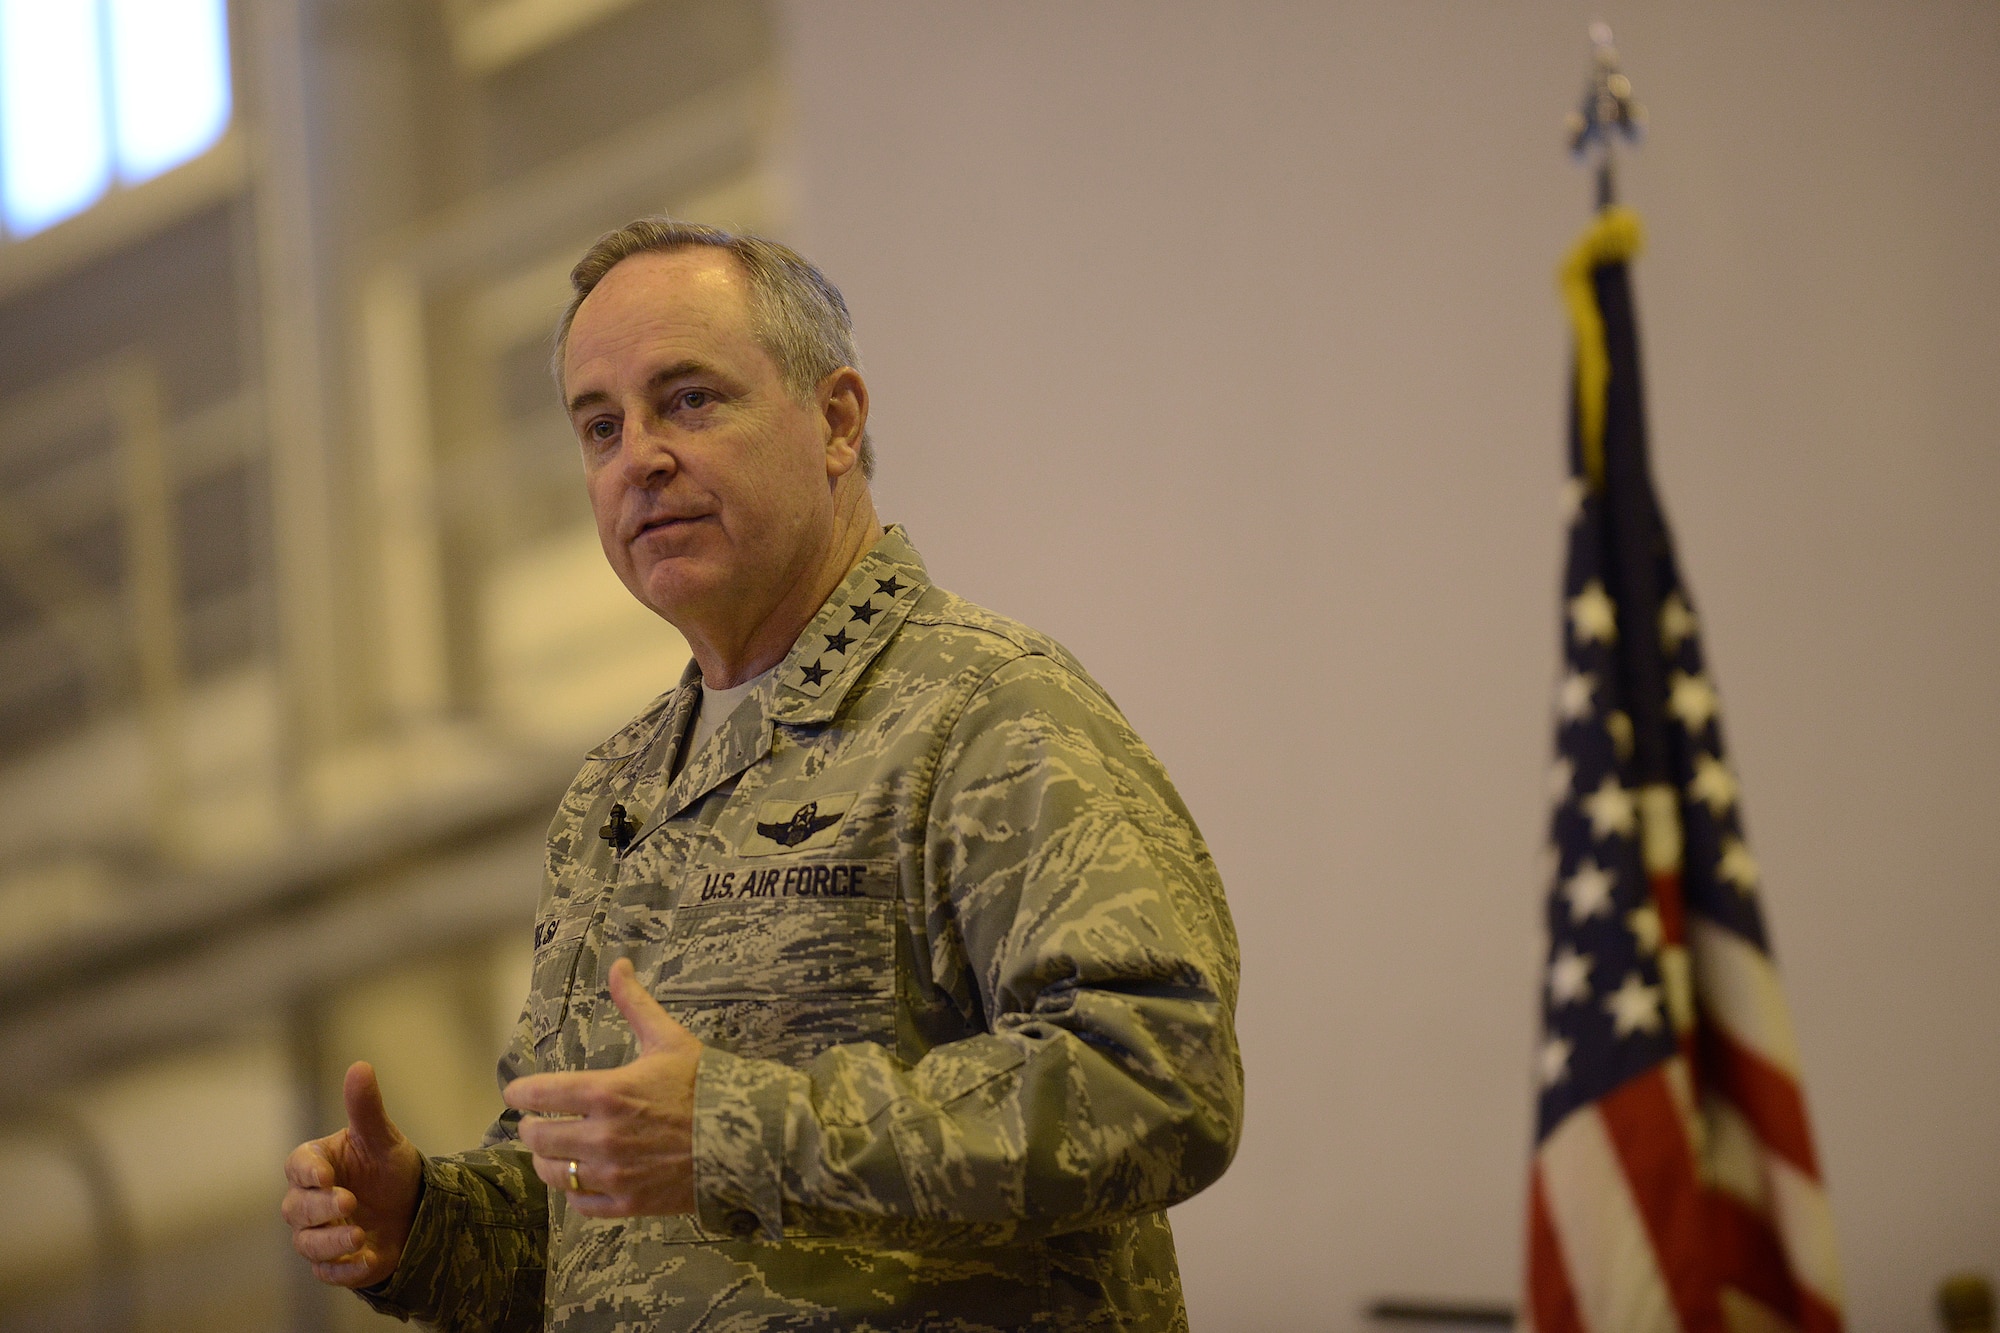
(794, 826)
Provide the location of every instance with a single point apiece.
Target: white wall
(1221, 342)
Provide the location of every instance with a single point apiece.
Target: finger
(355, 1272)
(586, 1201)
(557, 1094)
(655, 1028)
(563, 1139)
(602, 1205)
(308, 1167)
(367, 1118)
(314, 1208)
(595, 1179)
(554, 1172)
(328, 1244)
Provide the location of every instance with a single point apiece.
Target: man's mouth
(664, 523)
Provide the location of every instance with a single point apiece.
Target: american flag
(1674, 1184)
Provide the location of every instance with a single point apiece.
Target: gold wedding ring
(575, 1185)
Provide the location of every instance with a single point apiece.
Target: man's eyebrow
(678, 370)
(589, 399)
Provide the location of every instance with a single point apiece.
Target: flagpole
(1606, 114)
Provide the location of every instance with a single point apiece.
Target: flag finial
(1606, 113)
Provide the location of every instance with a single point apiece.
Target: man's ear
(843, 402)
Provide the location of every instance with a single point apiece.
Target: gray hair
(796, 315)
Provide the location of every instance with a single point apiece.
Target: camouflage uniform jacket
(964, 973)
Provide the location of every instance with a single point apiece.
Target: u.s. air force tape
(793, 879)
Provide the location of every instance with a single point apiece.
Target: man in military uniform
(881, 980)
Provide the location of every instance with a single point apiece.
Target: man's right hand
(353, 1194)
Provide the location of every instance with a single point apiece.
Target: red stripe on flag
(1667, 902)
(1549, 1296)
(1747, 1255)
(1645, 1128)
(1765, 1094)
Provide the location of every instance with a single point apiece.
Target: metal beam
(153, 596)
(186, 914)
(290, 279)
(65, 599)
(225, 434)
(181, 997)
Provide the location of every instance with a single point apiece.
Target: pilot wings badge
(794, 827)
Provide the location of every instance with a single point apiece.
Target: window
(97, 93)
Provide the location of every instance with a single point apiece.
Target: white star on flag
(1713, 783)
(1570, 501)
(1677, 622)
(1644, 923)
(1569, 976)
(1692, 700)
(1589, 890)
(1737, 865)
(1634, 1006)
(1553, 1061)
(1573, 699)
(1610, 809)
(1619, 724)
(1593, 615)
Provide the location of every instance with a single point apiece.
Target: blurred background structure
(303, 618)
(1219, 341)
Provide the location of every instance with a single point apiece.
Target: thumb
(653, 1026)
(368, 1123)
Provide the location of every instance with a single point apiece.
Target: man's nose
(648, 456)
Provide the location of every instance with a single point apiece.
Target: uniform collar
(660, 718)
(853, 625)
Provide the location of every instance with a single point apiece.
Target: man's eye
(597, 432)
(696, 398)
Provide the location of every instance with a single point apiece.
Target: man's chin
(680, 586)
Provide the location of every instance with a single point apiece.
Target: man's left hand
(629, 1131)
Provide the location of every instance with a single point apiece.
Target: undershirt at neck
(714, 710)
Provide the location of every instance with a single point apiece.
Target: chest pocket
(558, 945)
(781, 959)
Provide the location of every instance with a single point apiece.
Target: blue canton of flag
(1604, 1008)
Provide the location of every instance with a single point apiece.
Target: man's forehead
(699, 292)
(703, 274)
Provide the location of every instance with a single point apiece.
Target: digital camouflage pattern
(965, 977)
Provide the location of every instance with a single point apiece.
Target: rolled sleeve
(475, 1254)
(739, 1143)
